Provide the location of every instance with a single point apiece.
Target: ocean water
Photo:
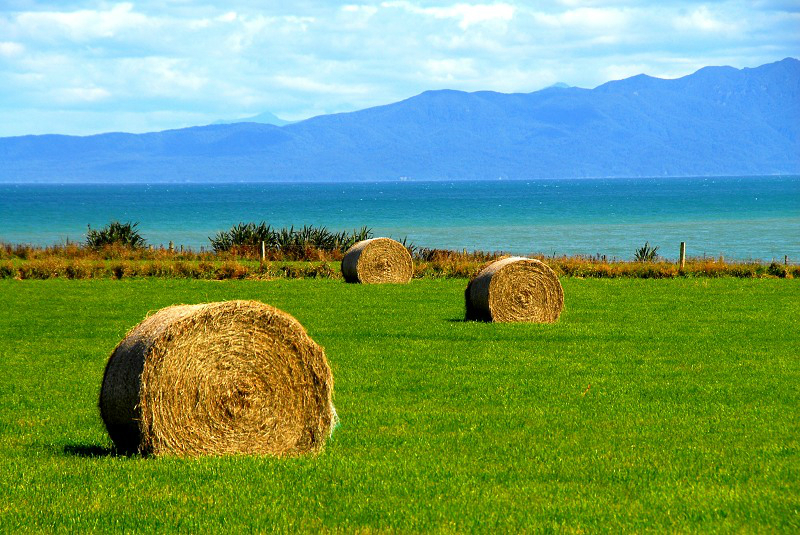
(738, 217)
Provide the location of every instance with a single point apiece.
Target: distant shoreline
(400, 181)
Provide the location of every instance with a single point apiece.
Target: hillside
(717, 121)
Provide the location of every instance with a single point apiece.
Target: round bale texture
(515, 289)
(377, 261)
(218, 378)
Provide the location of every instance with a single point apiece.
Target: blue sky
(82, 67)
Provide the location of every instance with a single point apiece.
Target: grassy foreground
(652, 405)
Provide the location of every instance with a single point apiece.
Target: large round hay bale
(377, 261)
(515, 289)
(218, 378)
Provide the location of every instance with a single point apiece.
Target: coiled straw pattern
(377, 261)
(218, 378)
(515, 289)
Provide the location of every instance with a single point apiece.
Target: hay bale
(377, 261)
(515, 289)
(218, 378)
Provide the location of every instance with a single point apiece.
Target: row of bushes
(123, 240)
(440, 266)
(667, 270)
(74, 251)
(246, 238)
(94, 269)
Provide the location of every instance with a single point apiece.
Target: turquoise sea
(738, 217)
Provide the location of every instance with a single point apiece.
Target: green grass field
(652, 405)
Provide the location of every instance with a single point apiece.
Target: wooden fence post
(683, 255)
(263, 251)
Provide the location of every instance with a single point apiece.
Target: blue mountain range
(263, 118)
(717, 121)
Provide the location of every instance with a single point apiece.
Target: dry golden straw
(515, 289)
(218, 378)
(377, 261)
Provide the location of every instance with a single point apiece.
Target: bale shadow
(90, 450)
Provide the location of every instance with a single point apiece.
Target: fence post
(683, 255)
(786, 260)
(263, 251)
(171, 247)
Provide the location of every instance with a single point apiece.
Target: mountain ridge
(716, 121)
(262, 118)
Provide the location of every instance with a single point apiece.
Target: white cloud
(702, 19)
(606, 19)
(466, 14)
(356, 17)
(254, 28)
(450, 69)
(81, 94)
(603, 3)
(310, 85)
(10, 48)
(161, 77)
(360, 9)
(200, 60)
(82, 25)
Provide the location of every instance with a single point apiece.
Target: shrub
(120, 270)
(298, 244)
(46, 268)
(645, 253)
(206, 269)
(742, 271)
(290, 272)
(115, 233)
(777, 270)
(321, 271)
(156, 268)
(231, 270)
(243, 235)
(187, 270)
(7, 270)
(79, 270)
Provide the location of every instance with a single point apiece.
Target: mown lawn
(652, 405)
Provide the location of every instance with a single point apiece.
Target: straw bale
(377, 261)
(515, 289)
(218, 378)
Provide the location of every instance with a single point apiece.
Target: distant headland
(716, 121)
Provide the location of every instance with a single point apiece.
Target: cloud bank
(84, 67)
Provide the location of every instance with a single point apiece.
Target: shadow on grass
(91, 450)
